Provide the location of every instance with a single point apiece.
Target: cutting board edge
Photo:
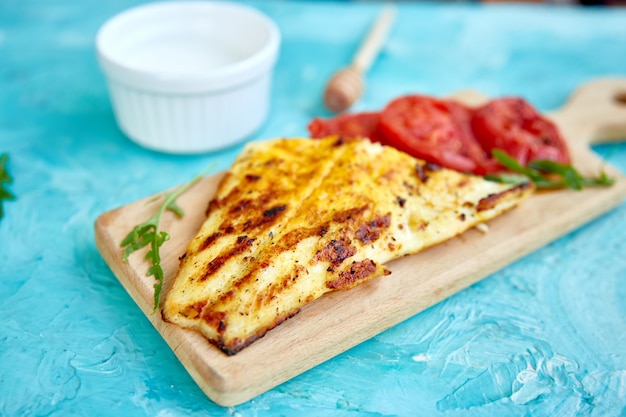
(223, 383)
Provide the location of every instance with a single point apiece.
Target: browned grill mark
(227, 296)
(243, 243)
(244, 279)
(350, 214)
(341, 140)
(370, 232)
(209, 241)
(432, 167)
(357, 272)
(239, 202)
(242, 205)
(423, 171)
(213, 205)
(274, 211)
(252, 177)
(420, 171)
(488, 202)
(336, 251)
(268, 217)
(464, 182)
(287, 242)
(492, 200)
(269, 293)
(273, 161)
(194, 310)
(292, 238)
(215, 319)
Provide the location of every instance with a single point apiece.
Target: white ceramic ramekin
(189, 77)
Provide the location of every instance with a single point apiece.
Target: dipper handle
(346, 85)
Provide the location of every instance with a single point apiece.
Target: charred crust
(491, 201)
(243, 243)
(370, 232)
(356, 273)
(242, 205)
(268, 217)
(215, 319)
(236, 345)
(429, 166)
(209, 241)
(423, 170)
(336, 251)
(342, 140)
(463, 182)
(213, 205)
(287, 242)
(274, 211)
(350, 214)
(420, 171)
(229, 295)
(194, 310)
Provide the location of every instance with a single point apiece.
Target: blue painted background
(545, 336)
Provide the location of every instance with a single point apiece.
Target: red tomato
(348, 125)
(435, 130)
(513, 125)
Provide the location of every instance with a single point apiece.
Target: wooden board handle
(595, 113)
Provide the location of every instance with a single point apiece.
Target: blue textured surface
(545, 336)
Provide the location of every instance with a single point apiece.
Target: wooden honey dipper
(346, 85)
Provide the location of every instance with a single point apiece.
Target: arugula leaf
(512, 164)
(513, 179)
(5, 177)
(148, 234)
(545, 174)
(570, 176)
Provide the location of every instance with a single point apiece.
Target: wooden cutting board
(341, 320)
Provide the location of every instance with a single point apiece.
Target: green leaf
(603, 180)
(174, 208)
(148, 234)
(511, 163)
(545, 174)
(5, 178)
(514, 179)
(571, 177)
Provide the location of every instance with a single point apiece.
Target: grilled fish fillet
(296, 218)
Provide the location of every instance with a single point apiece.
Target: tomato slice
(348, 125)
(447, 133)
(513, 125)
(435, 130)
